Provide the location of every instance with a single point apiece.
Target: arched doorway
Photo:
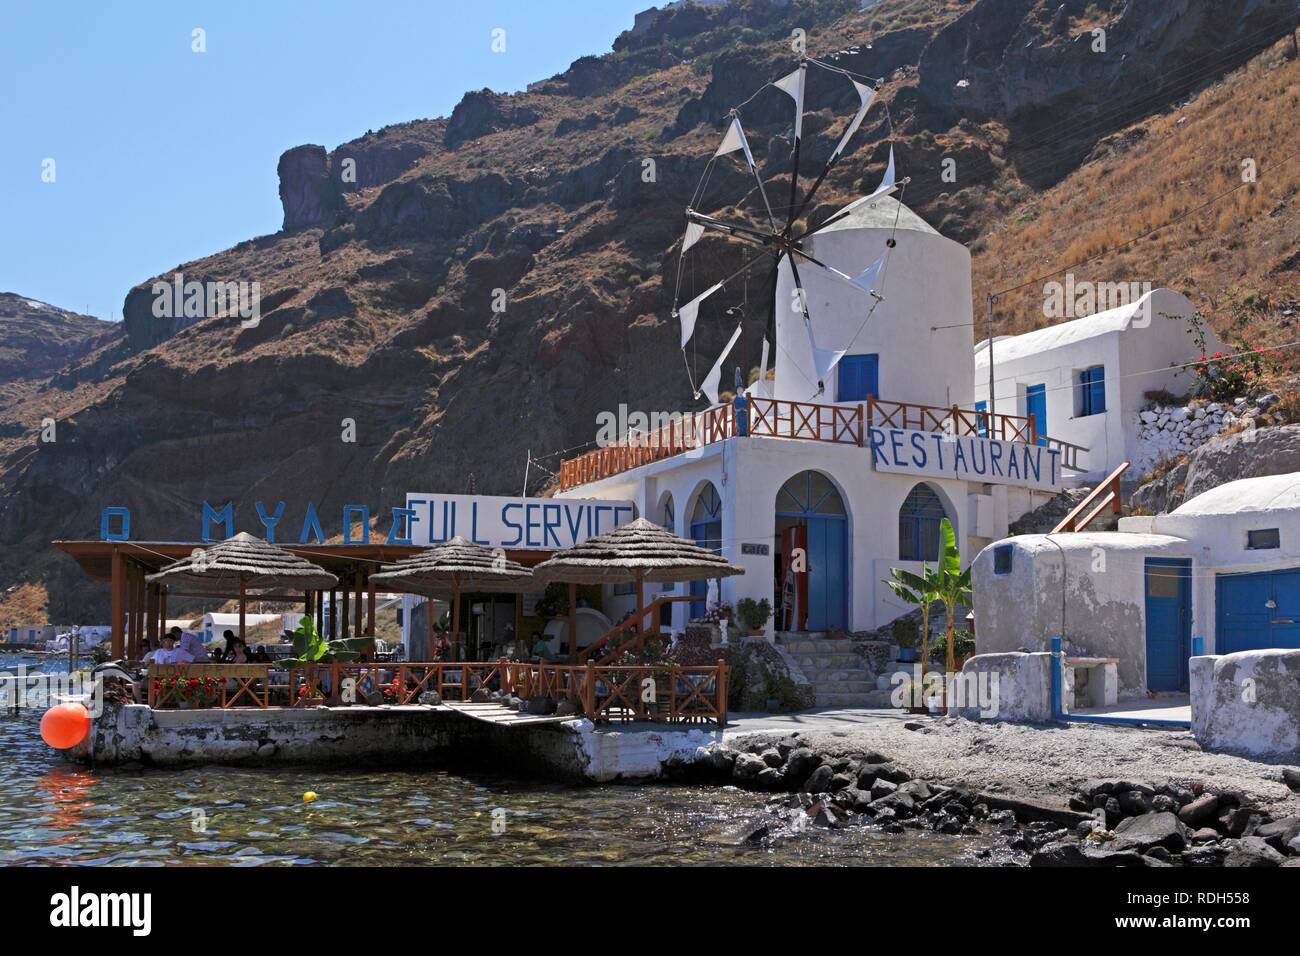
(667, 520)
(812, 593)
(918, 525)
(706, 531)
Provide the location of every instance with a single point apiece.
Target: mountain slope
(379, 301)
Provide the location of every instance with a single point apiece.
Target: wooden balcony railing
(609, 646)
(807, 421)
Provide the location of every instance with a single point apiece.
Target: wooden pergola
(139, 609)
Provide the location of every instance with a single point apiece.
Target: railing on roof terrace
(808, 421)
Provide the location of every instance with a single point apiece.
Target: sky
(162, 155)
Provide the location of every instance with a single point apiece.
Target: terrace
(846, 424)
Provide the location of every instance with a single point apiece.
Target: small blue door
(1256, 611)
(858, 378)
(1036, 408)
(1169, 622)
(826, 562)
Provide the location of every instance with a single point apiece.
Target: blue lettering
(548, 535)
(226, 516)
(938, 448)
(364, 511)
(1053, 454)
(395, 535)
(918, 444)
(505, 520)
(530, 524)
(569, 515)
(107, 534)
(995, 455)
(1013, 464)
(1033, 458)
(311, 523)
(473, 524)
(877, 442)
(895, 443)
(981, 463)
(268, 521)
(958, 459)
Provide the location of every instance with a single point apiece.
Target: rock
(480, 696)
(840, 781)
(1133, 803)
(801, 763)
(819, 780)
(1200, 811)
(541, 705)
(918, 789)
(769, 778)
(771, 757)
(1235, 821)
(882, 788)
(1149, 830)
(1291, 777)
(1206, 855)
(1251, 851)
(722, 760)
(786, 747)
(747, 768)
(1279, 833)
(1162, 802)
(902, 804)
(1071, 853)
(1204, 835)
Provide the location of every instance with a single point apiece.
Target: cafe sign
(506, 522)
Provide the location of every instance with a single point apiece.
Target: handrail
(1110, 488)
(589, 651)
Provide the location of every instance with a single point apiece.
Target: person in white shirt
(190, 644)
(169, 653)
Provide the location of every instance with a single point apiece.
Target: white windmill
(780, 240)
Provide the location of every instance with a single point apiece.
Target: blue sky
(163, 155)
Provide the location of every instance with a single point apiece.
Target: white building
(1219, 574)
(1085, 380)
(857, 475)
(31, 635)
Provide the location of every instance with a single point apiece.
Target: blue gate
(1169, 622)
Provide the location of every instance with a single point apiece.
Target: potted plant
(905, 636)
(754, 614)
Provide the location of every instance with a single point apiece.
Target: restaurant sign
(506, 522)
(968, 457)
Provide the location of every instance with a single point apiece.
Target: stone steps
(840, 677)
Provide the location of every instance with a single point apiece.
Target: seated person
(191, 645)
(541, 647)
(169, 653)
(261, 656)
(236, 651)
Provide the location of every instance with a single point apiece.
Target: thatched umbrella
(638, 551)
(244, 562)
(458, 565)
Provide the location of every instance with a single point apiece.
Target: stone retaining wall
(1247, 702)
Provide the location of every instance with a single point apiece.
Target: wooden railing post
(503, 674)
(861, 431)
(589, 692)
(722, 692)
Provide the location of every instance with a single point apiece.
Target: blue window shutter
(981, 427)
(859, 378)
(1098, 389)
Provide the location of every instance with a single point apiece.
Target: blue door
(1169, 622)
(858, 378)
(1036, 408)
(1256, 611)
(809, 499)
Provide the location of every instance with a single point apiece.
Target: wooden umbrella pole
(428, 613)
(455, 617)
(640, 603)
(243, 601)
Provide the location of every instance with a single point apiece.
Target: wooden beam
(573, 623)
(370, 606)
(347, 607)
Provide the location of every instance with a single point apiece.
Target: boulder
(1200, 812)
(1251, 851)
(801, 763)
(882, 788)
(1149, 830)
(1280, 833)
(819, 780)
(747, 768)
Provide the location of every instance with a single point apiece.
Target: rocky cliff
(465, 289)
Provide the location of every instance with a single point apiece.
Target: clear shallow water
(54, 812)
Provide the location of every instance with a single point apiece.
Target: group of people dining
(177, 647)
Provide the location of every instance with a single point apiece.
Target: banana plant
(310, 647)
(953, 582)
(922, 590)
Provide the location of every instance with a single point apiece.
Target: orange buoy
(65, 725)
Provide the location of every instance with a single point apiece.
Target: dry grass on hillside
(1237, 257)
(23, 606)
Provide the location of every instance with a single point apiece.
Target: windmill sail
(690, 312)
(793, 85)
(710, 384)
(867, 95)
(733, 140)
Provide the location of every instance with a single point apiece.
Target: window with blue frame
(981, 421)
(858, 378)
(1090, 393)
(918, 525)
(1002, 559)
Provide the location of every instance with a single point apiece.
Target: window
(981, 419)
(1263, 540)
(1090, 392)
(1002, 559)
(859, 378)
(918, 525)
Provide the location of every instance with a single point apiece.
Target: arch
(666, 516)
(919, 517)
(705, 529)
(811, 516)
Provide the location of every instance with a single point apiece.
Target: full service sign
(969, 458)
(502, 522)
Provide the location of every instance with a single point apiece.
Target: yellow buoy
(309, 796)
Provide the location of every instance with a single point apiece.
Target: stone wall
(1021, 684)
(1247, 702)
(1171, 431)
